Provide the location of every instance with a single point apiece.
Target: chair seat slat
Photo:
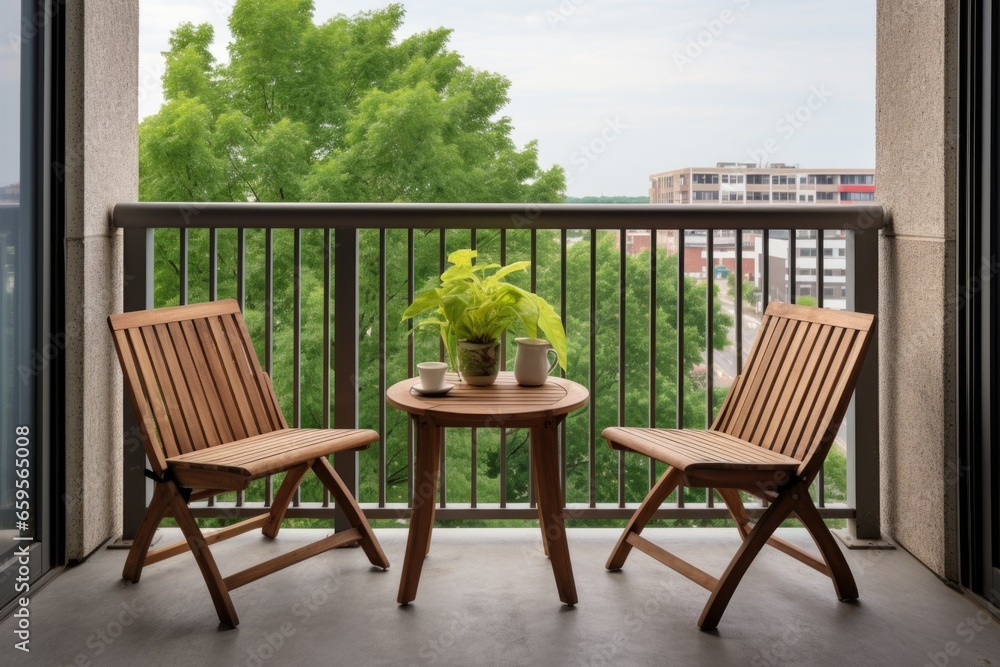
(699, 450)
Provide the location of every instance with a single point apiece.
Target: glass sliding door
(27, 356)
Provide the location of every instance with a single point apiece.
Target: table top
(503, 403)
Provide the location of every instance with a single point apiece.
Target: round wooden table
(504, 404)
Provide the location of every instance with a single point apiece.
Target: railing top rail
(498, 216)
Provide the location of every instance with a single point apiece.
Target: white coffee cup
(432, 374)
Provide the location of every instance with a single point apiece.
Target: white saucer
(444, 389)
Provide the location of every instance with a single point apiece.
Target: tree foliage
(341, 111)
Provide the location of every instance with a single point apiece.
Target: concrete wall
(916, 136)
(101, 169)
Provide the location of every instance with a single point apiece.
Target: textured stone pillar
(916, 137)
(99, 170)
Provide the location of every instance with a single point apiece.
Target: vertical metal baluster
(738, 301)
(792, 282)
(766, 291)
(268, 329)
(765, 294)
(710, 330)
(241, 268)
(533, 286)
(820, 285)
(503, 364)
(327, 298)
(679, 417)
(474, 479)
(382, 367)
(562, 313)
(183, 260)
(652, 346)
(443, 476)
(820, 266)
(591, 408)
(213, 264)
(297, 340)
(241, 297)
(409, 363)
(710, 342)
(622, 264)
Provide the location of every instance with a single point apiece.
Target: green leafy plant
(473, 302)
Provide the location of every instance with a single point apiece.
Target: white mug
(432, 374)
(532, 367)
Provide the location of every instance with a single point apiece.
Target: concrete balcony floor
(487, 597)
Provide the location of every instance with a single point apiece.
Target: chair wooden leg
(346, 502)
(777, 512)
(736, 508)
(840, 571)
(144, 535)
(663, 488)
(422, 513)
(293, 477)
(199, 548)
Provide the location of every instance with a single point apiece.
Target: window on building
(857, 179)
(821, 179)
(706, 195)
(807, 252)
(825, 196)
(758, 179)
(857, 196)
(704, 179)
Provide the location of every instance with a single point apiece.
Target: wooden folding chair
(770, 440)
(210, 423)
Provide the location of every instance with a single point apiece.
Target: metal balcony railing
(374, 248)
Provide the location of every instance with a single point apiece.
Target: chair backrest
(193, 378)
(797, 382)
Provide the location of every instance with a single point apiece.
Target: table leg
(428, 458)
(541, 522)
(545, 461)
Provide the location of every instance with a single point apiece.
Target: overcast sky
(615, 90)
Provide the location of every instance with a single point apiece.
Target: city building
(746, 183)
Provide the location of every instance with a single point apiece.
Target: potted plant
(472, 305)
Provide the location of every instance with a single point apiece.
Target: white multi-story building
(746, 183)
